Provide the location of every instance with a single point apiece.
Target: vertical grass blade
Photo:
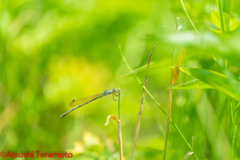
(173, 80)
(220, 14)
(141, 107)
(119, 126)
(167, 122)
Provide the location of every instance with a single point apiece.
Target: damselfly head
(114, 90)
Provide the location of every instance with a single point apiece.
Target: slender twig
(141, 107)
(185, 140)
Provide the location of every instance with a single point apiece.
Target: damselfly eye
(114, 90)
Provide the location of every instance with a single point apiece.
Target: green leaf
(230, 24)
(215, 19)
(215, 79)
(234, 24)
(193, 84)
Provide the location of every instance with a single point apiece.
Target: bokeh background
(54, 51)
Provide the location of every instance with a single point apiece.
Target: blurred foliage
(54, 51)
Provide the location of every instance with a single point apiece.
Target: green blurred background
(54, 51)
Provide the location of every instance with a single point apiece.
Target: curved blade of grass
(188, 16)
(140, 69)
(165, 62)
(193, 84)
(185, 140)
(215, 79)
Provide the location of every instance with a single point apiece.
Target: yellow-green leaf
(215, 79)
(193, 84)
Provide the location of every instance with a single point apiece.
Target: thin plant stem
(174, 50)
(119, 104)
(226, 4)
(205, 145)
(236, 108)
(167, 122)
(228, 118)
(120, 141)
(234, 131)
(234, 139)
(119, 126)
(178, 130)
(141, 107)
(119, 132)
(220, 14)
(174, 76)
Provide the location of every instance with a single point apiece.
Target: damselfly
(82, 101)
